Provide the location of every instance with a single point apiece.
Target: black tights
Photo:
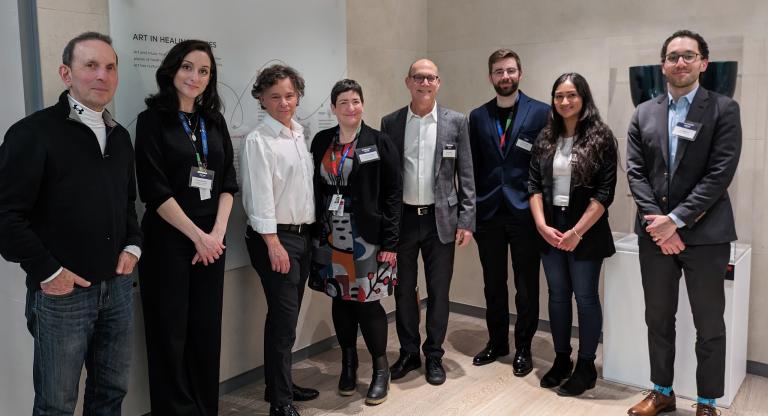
(369, 316)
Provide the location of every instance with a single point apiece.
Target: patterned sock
(708, 402)
(667, 391)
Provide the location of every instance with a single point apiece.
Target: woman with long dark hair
(184, 166)
(572, 183)
(358, 202)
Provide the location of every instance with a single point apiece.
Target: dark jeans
(182, 318)
(704, 268)
(512, 234)
(284, 293)
(91, 325)
(566, 277)
(419, 233)
(370, 317)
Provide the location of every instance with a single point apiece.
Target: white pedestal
(625, 336)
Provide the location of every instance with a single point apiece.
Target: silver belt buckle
(422, 210)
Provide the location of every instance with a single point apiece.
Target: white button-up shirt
(419, 158)
(276, 176)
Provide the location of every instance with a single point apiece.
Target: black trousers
(182, 317)
(370, 317)
(704, 268)
(513, 233)
(419, 233)
(284, 293)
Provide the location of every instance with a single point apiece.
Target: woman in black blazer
(358, 201)
(187, 181)
(572, 182)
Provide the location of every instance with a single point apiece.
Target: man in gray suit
(682, 151)
(434, 145)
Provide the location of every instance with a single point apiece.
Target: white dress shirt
(419, 158)
(276, 176)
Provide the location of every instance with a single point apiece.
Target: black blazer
(502, 177)
(377, 187)
(696, 190)
(597, 242)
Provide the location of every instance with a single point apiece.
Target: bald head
(422, 63)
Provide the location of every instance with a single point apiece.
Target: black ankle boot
(348, 378)
(560, 370)
(583, 378)
(377, 392)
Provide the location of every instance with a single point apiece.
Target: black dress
(182, 302)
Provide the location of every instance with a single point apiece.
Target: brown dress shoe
(705, 410)
(653, 404)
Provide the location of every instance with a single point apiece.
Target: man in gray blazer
(438, 209)
(682, 152)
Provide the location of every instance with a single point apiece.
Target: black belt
(420, 209)
(293, 228)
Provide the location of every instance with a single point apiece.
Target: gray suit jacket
(696, 188)
(454, 178)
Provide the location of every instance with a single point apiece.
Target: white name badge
(336, 200)
(524, 145)
(201, 178)
(686, 130)
(367, 154)
(449, 151)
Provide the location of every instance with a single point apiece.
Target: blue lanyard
(343, 158)
(203, 139)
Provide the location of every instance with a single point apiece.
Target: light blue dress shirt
(678, 111)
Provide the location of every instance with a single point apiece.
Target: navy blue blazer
(502, 177)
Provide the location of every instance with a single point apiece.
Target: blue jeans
(566, 277)
(89, 325)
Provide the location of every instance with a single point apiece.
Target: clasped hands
(566, 241)
(208, 247)
(663, 231)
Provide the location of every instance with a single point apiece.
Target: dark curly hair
(269, 77)
(593, 140)
(703, 47)
(167, 98)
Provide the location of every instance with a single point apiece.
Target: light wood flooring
(488, 390)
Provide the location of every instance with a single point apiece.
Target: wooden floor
(469, 390)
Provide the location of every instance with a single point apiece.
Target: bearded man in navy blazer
(682, 151)
(502, 132)
(438, 209)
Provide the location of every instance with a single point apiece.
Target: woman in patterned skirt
(358, 197)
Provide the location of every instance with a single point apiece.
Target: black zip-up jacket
(63, 203)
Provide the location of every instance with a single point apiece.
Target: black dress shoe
(406, 363)
(435, 374)
(560, 370)
(583, 378)
(287, 410)
(523, 362)
(489, 354)
(300, 394)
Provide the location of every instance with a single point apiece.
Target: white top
(276, 176)
(419, 158)
(561, 172)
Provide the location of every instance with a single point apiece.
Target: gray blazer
(454, 178)
(696, 189)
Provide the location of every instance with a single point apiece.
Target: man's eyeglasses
(688, 57)
(418, 78)
(500, 72)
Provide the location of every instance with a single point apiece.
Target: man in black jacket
(67, 192)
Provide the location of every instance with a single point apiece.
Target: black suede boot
(348, 377)
(377, 392)
(583, 378)
(560, 370)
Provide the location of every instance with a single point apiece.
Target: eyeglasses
(500, 72)
(571, 96)
(419, 78)
(688, 57)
